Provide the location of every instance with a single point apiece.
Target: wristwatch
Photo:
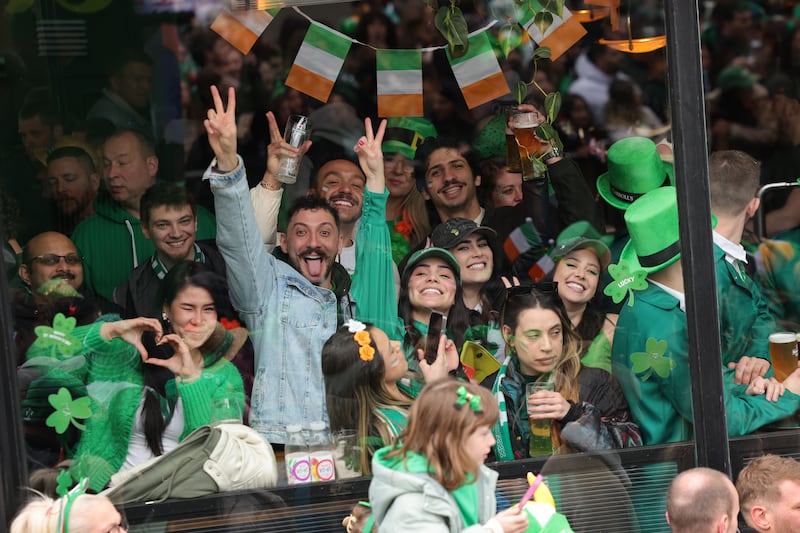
(554, 152)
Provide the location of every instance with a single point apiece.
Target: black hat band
(630, 197)
(660, 257)
(403, 135)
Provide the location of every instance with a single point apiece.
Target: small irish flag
(559, 36)
(525, 240)
(478, 72)
(318, 62)
(242, 28)
(399, 75)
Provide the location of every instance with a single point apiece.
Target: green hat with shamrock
(579, 236)
(404, 134)
(491, 141)
(652, 222)
(634, 168)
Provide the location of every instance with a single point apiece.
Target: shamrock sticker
(67, 410)
(57, 339)
(625, 282)
(652, 360)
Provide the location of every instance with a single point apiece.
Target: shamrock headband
(465, 397)
(66, 502)
(362, 338)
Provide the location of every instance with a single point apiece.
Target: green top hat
(652, 222)
(578, 236)
(439, 253)
(634, 168)
(404, 134)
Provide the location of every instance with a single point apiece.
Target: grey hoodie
(405, 498)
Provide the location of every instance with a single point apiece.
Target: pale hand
(792, 382)
(279, 148)
(131, 331)
(771, 388)
(181, 363)
(545, 405)
(748, 369)
(512, 521)
(221, 128)
(446, 360)
(370, 155)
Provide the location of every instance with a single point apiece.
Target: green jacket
(744, 318)
(778, 272)
(115, 383)
(112, 244)
(655, 377)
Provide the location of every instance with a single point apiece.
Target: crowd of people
(408, 252)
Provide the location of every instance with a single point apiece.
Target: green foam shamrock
(64, 480)
(652, 360)
(67, 410)
(625, 282)
(57, 339)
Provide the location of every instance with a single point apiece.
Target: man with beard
(73, 183)
(169, 220)
(291, 308)
(769, 494)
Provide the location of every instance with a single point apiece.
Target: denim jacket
(289, 318)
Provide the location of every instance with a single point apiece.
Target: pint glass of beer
(783, 352)
(541, 442)
(528, 144)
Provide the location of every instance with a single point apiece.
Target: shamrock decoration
(57, 338)
(625, 282)
(67, 410)
(64, 482)
(652, 360)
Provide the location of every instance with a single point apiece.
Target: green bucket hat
(579, 236)
(439, 253)
(404, 134)
(491, 141)
(634, 168)
(652, 222)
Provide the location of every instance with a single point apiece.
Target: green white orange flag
(399, 76)
(242, 28)
(318, 62)
(559, 36)
(478, 73)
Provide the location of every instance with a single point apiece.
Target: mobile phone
(435, 326)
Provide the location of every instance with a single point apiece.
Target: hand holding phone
(435, 327)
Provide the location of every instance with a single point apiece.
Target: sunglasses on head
(542, 286)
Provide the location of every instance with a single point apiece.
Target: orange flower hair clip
(362, 337)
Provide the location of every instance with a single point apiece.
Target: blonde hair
(41, 514)
(437, 429)
(414, 207)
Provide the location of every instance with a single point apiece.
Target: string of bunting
(398, 72)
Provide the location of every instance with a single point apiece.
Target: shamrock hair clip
(465, 397)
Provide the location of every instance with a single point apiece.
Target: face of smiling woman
(432, 285)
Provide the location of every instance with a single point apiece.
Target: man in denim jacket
(291, 308)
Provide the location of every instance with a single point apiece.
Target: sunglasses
(522, 290)
(54, 259)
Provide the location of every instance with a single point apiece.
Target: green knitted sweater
(115, 384)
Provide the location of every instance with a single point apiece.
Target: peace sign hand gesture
(221, 128)
(370, 155)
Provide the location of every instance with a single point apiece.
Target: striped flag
(478, 73)
(399, 75)
(564, 31)
(525, 240)
(242, 28)
(318, 62)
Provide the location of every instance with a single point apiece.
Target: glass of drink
(783, 352)
(541, 442)
(346, 454)
(225, 410)
(528, 144)
(296, 133)
(512, 152)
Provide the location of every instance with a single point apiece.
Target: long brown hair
(414, 208)
(568, 366)
(437, 429)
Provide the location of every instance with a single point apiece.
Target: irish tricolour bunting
(318, 62)
(242, 28)
(559, 35)
(399, 77)
(478, 72)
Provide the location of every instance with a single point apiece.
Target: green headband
(66, 504)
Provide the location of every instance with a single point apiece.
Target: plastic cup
(297, 132)
(225, 410)
(541, 442)
(783, 352)
(346, 454)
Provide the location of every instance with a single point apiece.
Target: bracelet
(554, 152)
(271, 185)
(220, 171)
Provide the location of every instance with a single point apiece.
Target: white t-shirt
(138, 452)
